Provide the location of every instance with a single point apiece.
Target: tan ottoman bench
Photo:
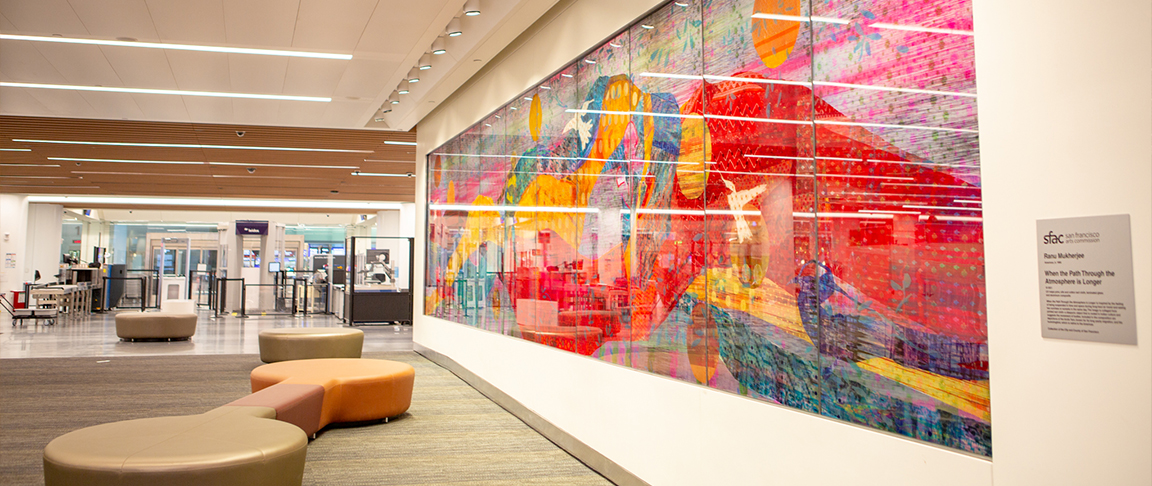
(355, 390)
(224, 447)
(310, 343)
(155, 325)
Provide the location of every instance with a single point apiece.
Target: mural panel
(775, 198)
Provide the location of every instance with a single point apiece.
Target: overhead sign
(1087, 290)
(251, 227)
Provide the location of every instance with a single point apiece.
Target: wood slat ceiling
(214, 172)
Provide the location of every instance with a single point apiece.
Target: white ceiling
(385, 37)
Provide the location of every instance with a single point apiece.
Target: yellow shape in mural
(967, 396)
(534, 118)
(695, 149)
(775, 38)
(768, 302)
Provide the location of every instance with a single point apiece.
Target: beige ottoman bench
(227, 446)
(155, 325)
(310, 343)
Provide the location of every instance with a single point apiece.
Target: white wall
(43, 241)
(664, 431)
(1066, 130)
(13, 238)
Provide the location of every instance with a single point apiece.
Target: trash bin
(19, 299)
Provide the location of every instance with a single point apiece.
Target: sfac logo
(1053, 239)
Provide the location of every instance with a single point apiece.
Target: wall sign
(251, 227)
(1086, 282)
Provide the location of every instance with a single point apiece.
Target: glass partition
(775, 198)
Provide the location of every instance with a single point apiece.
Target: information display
(1086, 283)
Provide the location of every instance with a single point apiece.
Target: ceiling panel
(343, 111)
(19, 101)
(362, 78)
(200, 71)
(333, 26)
(313, 75)
(259, 74)
(199, 22)
(43, 16)
(141, 68)
(62, 103)
(5, 24)
(120, 105)
(295, 175)
(255, 111)
(300, 113)
(261, 23)
(161, 107)
(202, 109)
(21, 62)
(82, 65)
(385, 37)
(389, 33)
(110, 19)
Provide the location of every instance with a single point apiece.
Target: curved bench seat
(257, 440)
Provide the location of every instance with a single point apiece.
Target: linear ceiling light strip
(191, 145)
(178, 47)
(172, 201)
(195, 162)
(178, 92)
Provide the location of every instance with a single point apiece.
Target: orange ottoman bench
(355, 390)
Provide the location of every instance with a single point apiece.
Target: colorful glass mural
(775, 198)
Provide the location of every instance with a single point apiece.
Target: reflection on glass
(775, 198)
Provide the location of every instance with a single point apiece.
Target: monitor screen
(273, 267)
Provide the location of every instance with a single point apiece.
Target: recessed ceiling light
(453, 29)
(403, 87)
(180, 47)
(414, 75)
(192, 145)
(178, 92)
(425, 61)
(438, 46)
(472, 8)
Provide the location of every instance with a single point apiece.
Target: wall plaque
(1087, 289)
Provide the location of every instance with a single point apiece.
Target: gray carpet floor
(451, 435)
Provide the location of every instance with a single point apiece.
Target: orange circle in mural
(775, 38)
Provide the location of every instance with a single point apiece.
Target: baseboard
(581, 451)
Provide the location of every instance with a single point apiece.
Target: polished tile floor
(95, 335)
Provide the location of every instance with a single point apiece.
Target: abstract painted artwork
(775, 198)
